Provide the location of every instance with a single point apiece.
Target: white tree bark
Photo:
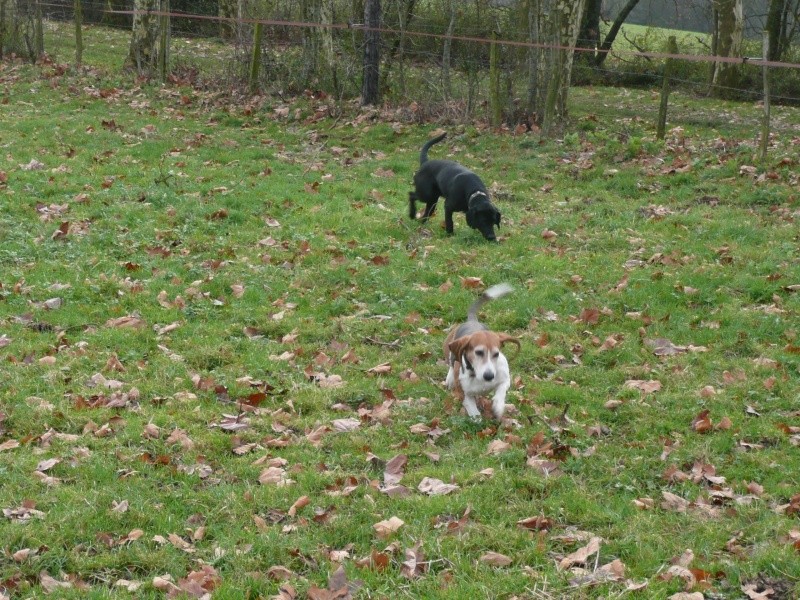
(728, 34)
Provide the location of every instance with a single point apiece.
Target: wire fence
(429, 73)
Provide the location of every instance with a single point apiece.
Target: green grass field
(220, 338)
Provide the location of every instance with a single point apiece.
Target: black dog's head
(483, 216)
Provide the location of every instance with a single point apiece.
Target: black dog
(462, 189)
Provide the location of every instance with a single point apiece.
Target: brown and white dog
(477, 366)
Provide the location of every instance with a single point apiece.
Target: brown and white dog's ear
(459, 346)
(504, 337)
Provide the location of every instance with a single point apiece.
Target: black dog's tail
(494, 292)
(423, 155)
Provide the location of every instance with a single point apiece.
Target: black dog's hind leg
(428, 212)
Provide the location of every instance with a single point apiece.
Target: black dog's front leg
(412, 205)
(448, 220)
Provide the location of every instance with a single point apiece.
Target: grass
(279, 248)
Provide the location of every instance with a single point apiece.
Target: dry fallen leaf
(495, 559)
(435, 487)
(386, 528)
(581, 555)
(498, 446)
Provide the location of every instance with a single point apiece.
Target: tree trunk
(38, 29)
(729, 29)
(143, 53)
(446, 45)
(227, 10)
(78, 16)
(405, 13)
(326, 17)
(21, 32)
(555, 23)
(370, 92)
(5, 18)
(310, 12)
(775, 27)
(589, 36)
(534, 60)
(163, 41)
(605, 47)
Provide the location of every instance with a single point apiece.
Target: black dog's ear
(497, 218)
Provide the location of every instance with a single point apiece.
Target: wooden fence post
(672, 48)
(78, 16)
(765, 125)
(163, 44)
(495, 104)
(255, 59)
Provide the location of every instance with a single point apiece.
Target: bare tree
(608, 41)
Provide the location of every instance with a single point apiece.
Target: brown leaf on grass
(345, 425)
(9, 445)
(315, 437)
(646, 387)
(687, 596)
(51, 584)
(381, 369)
(274, 476)
(673, 502)
(164, 584)
(240, 449)
(751, 590)
(46, 465)
(538, 523)
(384, 529)
(702, 423)
(589, 316)
(23, 513)
(179, 436)
(436, 487)
(664, 347)
(338, 588)
(414, 565)
(279, 573)
(301, 502)
(394, 470)
(198, 584)
(581, 555)
(132, 536)
(495, 559)
(471, 283)
(548, 468)
(497, 447)
(610, 572)
(151, 431)
(119, 507)
(126, 322)
(180, 543)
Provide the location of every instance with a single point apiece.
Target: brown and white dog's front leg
(471, 406)
(499, 400)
